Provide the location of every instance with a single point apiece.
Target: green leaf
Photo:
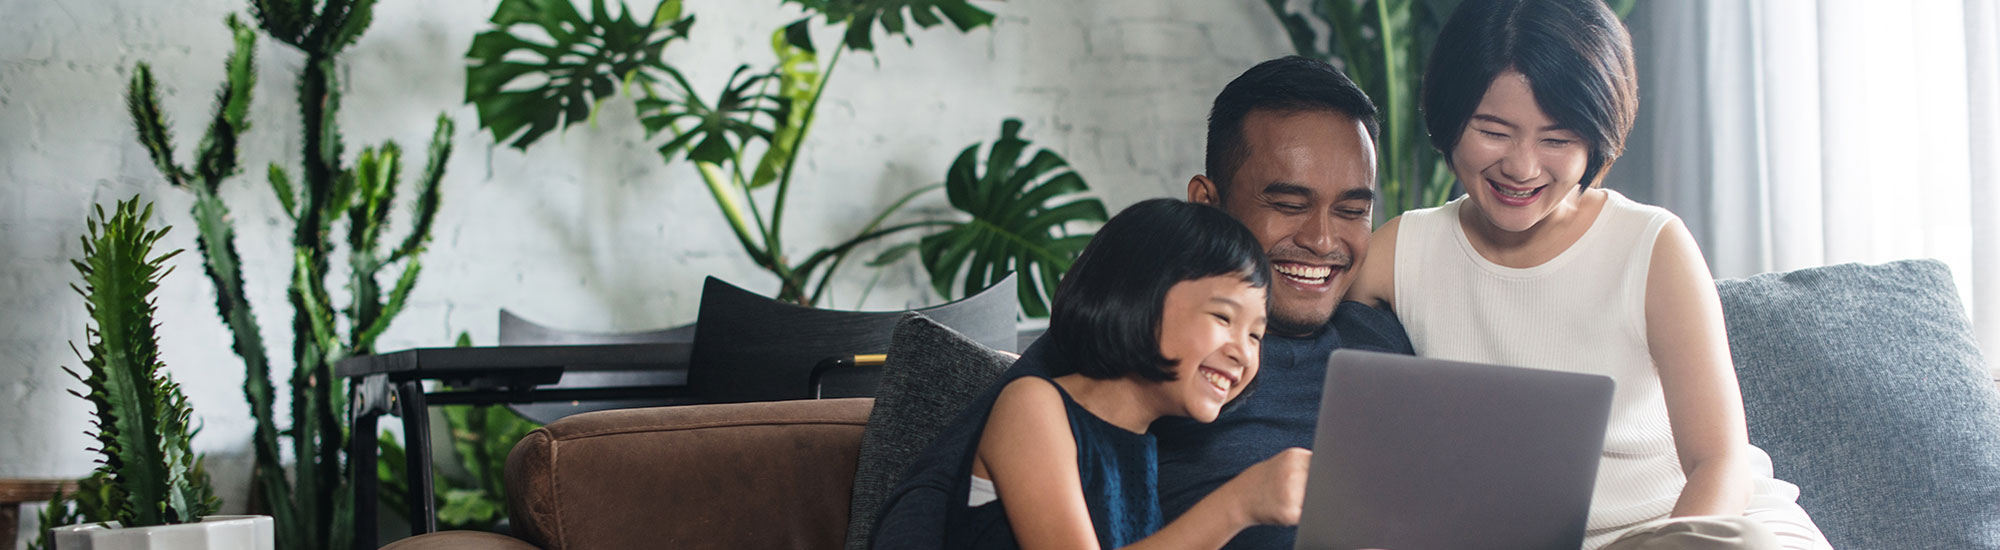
(543, 65)
(862, 16)
(799, 80)
(720, 130)
(1018, 219)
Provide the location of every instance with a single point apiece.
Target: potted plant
(149, 490)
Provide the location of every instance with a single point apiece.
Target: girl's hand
(1274, 491)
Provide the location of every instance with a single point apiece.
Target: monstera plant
(544, 66)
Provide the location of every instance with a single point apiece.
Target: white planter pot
(212, 533)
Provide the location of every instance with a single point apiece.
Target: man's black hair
(1107, 312)
(1286, 85)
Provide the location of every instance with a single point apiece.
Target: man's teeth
(1307, 273)
(1217, 380)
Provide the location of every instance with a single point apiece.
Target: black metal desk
(393, 383)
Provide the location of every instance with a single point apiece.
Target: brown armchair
(744, 475)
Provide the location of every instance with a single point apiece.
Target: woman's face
(1212, 329)
(1517, 165)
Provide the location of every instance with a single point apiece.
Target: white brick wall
(588, 230)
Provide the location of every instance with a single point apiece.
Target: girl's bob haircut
(1107, 312)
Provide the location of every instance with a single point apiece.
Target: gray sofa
(1862, 382)
(1867, 389)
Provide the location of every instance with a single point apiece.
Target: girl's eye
(1492, 134)
(1559, 142)
(1221, 317)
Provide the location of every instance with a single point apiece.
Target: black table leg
(369, 399)
(417, 446)
(361, 464)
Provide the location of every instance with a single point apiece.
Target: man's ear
(1202, 190)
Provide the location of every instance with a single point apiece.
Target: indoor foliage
(148, 473)
(545, 66)
(1384, 46)
(313, 508)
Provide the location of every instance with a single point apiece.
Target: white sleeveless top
(1583, 311)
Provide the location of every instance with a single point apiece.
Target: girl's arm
(1375, 278)
(1030, 454)
(1690, 349)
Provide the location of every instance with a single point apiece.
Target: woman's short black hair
(1106, 318)
(1577, 57)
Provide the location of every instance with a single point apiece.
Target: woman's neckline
(1464, 240)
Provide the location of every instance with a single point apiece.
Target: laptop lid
(1417, 454)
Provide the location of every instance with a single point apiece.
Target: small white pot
(212, 533)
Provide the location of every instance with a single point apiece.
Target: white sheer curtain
(1799, 133)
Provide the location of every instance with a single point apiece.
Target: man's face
(1307, 189)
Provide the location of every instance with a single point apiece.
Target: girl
(1529, 102)
(1161, 315)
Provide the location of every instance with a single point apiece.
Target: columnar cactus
(314, 508)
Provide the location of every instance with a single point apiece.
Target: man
(1291, 154)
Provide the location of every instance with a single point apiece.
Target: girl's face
(1213, 329)
(1517, 165)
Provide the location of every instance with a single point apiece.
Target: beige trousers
(1722, 533)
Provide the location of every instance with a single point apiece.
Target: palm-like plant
(525, 75)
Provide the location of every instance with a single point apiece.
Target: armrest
(460, 540)
(740, 475)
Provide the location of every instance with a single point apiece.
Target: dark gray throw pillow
(1867, 389)
(932, 372)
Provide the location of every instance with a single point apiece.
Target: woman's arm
(1029, 452)
(1690, 349)
(1375, 278)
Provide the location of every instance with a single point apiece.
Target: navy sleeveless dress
(1118, 470)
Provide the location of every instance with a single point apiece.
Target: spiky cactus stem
(143, 432)
(314, 508)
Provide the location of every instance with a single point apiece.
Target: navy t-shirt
(1280, 411)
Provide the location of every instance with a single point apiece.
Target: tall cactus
(314, 508)
(149, 473)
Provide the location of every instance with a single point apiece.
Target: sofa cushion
(740, 475)
(1865, 386)
(932, 372)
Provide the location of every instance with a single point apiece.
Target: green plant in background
(545, 66)
(148, 474)
(1384, 45)
(314, 507)
(1019, 219)
(481, 436)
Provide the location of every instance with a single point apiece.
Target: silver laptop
(1422, 454)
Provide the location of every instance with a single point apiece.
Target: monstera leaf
(733, 115)
(1020, 214)
(861, 17)
(544, 65)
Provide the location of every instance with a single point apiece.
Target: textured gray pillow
(1866, 387)
(932, 372)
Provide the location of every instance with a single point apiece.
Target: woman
(1539, 266)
